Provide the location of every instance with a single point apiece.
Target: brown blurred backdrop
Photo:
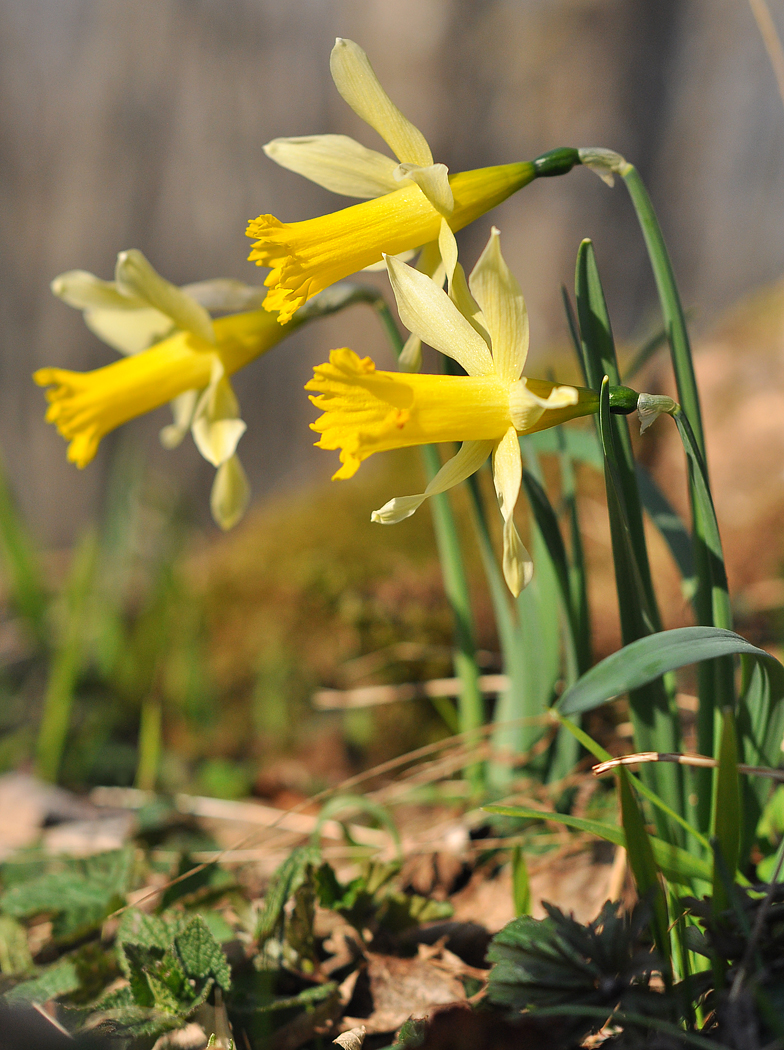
(140, 123)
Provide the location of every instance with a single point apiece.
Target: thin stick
(771, 40)
(684, 760)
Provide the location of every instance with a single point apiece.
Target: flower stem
(471, 712)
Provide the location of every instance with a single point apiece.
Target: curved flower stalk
(174, 352)
(485, 329)
(406, 199)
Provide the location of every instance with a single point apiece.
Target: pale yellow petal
(336, 162)
(469, 459)
(461, 296)
(230, 493)
(129, 331)
(135, 276)
(410, 359)
(517, 563)
(381, 267)
(433, 181)
(447, 246)
(428, 312)
(358, 84)
(85, 291)
(183, 409)
(498, 294)
(507, 472)
(216, 426)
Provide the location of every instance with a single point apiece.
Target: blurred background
(140, 123)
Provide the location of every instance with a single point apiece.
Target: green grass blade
(471, 706)
(643, 864)
(579, 443)
(760, 726)
(672, 309)
(671, 528)
(601, 755)
(652, 709)
(26, 587)
(521, 885)
(726, 810)
(675, 863)
(67, 660)
(521, 699)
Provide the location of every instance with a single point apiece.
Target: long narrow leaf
(726, 818)
(675, 863)
(642, 862)
(649, 658)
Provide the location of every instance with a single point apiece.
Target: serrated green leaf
(60, 979)
(15, 957)
(285, 881)
(201, 954)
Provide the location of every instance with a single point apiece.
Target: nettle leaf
(285, 882)
(148, 931)
(79, 898)
(201, 954)
(15, 957)
(58, 980)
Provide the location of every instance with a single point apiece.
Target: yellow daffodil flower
(175, 353)
(409, 197)
(484, 327)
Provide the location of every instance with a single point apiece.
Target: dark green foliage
(557, 962)
(78, 898)
(172, 962)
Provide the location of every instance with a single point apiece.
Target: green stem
(471, 710)
(66, 663)
(672, 308)
(716, 681)
(150, 743)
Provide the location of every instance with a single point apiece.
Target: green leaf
(727, 812)
(201, 954)
(642, 862)
(521, 885)
(21, 563)
(579, 443)
(67, 661)
(649, 658)
(675, 863)
(60, 979)
(15, 957)
(79, 898)
(284, 883)
(671, 528)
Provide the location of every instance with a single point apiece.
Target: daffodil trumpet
(86, 406)
(408, 199)
(483, 325)
(173, 351)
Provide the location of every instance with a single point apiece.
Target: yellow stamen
(308, 256)
(85, 406)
